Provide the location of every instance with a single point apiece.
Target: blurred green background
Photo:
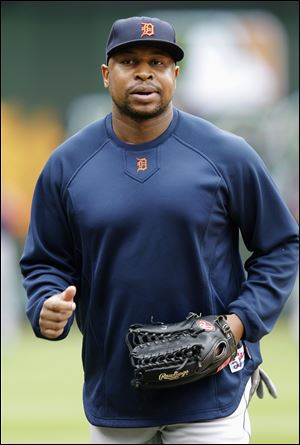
(51, 53)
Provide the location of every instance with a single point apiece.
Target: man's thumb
(68, 294)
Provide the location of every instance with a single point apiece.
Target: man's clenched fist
(56, 311)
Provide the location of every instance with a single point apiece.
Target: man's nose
(143, 72)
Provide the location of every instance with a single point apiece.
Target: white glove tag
(238, 362)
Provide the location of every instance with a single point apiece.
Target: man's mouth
(144, 90)
(144, 94)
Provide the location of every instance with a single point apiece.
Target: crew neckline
(147, 145)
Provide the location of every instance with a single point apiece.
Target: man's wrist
(236, 326)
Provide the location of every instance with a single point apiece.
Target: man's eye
(157, 62)
(127, 62)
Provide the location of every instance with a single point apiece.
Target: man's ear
(176, 74)
(105, 74)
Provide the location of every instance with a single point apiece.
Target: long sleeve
(271, 233)
(48, 260)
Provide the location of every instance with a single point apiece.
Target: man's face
(141, 81)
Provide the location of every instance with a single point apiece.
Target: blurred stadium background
(241, 71)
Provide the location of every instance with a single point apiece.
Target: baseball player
(138, 216)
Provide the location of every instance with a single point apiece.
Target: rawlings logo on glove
(167, 355)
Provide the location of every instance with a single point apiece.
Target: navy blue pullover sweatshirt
(153, 230)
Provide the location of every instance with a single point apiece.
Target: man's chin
(141, 112)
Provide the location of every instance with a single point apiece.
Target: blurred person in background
(138, 215)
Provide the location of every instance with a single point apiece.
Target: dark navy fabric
(153, 230)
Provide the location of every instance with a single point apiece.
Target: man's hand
(56, 312)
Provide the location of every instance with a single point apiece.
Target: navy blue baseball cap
(143, 31)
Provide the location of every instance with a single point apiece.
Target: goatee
(138, 115)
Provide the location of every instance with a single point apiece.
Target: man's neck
(139, 132)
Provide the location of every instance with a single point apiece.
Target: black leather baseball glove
(168, 355)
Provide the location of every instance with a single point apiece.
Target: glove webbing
(170, 357)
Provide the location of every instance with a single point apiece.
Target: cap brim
(174, 50)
